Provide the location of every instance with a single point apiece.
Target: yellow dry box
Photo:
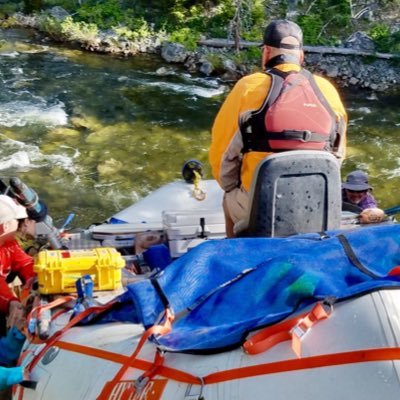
(58, 270)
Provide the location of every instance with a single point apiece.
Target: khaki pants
(235, 206)
(236, 202)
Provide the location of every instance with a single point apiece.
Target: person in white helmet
(12, 259)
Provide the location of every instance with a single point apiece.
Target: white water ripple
(190, 89)
(392, 173)
(23, 157)
(19, 160)
(11, 54)
(22, 113)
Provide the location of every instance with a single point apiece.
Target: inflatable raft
(309, 316)
(301, 317)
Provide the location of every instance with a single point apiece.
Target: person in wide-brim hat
(356, 190)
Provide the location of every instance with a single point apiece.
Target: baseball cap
(357, 181)
(280, 29)
(10, 210)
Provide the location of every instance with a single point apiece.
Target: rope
(198, 193)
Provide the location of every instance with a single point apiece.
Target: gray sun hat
(357, 181)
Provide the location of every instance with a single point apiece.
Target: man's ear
(265, 56)
(301, 57)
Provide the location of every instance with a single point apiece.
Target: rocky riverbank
(346, 70)
(356, 71)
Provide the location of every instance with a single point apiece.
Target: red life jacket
(294, 116)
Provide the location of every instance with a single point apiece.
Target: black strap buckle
(29, 384)
(307, 135)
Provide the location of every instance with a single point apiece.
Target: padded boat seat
(293, 192)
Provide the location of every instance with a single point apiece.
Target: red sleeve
(21, 263)
(6, 295)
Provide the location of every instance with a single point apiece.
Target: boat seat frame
(293, 192)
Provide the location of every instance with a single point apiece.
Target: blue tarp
(222, 289)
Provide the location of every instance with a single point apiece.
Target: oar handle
(392, 210)
(67, 221)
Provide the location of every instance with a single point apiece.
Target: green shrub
(105, 14)
(254, 54)
(80, 30)
(311, 26)
(68, 29)
(8, 9)
(135, 28)
(185, 36)
(218, 23)
(325, 21)
(216, 60)
(32, 6)
(51, 26)
(68, 5)
(380, 34)
(8, 22)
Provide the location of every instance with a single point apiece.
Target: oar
(388, 212)
(67, 222)
(392, 210)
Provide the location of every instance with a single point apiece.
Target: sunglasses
(357, 191)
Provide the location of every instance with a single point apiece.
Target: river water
(93, 133)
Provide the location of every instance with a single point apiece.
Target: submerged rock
(174, 52)
(110, 167)
(89, 123)
(206, 68)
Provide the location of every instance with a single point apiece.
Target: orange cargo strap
(293, 329)
(57, 335)
(296, 364)
(157, 368)
(325, 360)
(143, 365)
(160, 329)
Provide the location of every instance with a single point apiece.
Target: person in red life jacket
(12, 260)
(283, 107)
(357, 191)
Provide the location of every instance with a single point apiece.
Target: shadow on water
(93, 133)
